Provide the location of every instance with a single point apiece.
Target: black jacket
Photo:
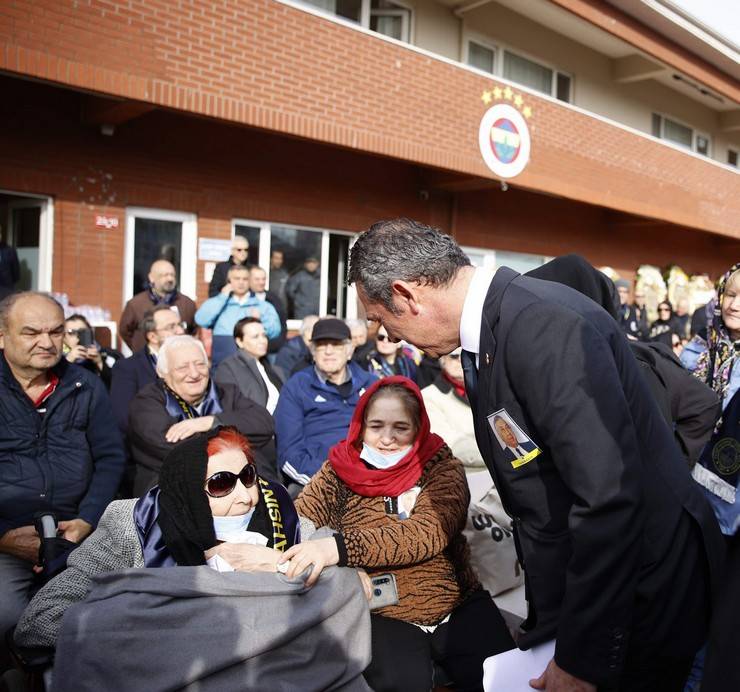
(220, 274)
(149, 422)
(613, 534)
(10, 270)
(128, 377)
(241, 370)
(68, 461)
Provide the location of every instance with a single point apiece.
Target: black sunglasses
(222, 483)
(382, 337)
(454, 356)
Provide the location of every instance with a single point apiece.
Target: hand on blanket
(319, 553)
(244, 557)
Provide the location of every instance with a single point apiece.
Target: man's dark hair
(148, 323)
(243, 322)
(7, 303)
(402, 249)
(234, 268)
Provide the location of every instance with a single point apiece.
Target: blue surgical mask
(226, 526)
(382, 461)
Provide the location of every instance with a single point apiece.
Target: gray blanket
(193, 628)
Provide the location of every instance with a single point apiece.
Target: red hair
(226, 439)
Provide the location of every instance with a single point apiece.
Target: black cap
(330, 328)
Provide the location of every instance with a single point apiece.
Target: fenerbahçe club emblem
(504, 140)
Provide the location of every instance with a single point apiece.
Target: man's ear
(406, 295)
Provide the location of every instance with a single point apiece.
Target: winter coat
(68, 460)
(310, 417)
(149, 421)
(137, 307)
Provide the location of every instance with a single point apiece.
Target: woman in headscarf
(714, 360)
(397, 499)
(665, 324)
(210, 507)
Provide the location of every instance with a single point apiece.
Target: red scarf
(345, 455)
(457, 385)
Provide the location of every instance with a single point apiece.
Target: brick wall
(220, 172)
(264, 64)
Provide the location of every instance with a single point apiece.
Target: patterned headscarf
(715, 364)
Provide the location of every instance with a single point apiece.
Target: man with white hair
(161, 289)
(185, 401)
(295, 354)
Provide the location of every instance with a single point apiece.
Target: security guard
(618, 546)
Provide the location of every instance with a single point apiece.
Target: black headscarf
(185, 514)
(576, 272)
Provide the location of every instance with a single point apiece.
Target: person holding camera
(81, 349)
(397, 499)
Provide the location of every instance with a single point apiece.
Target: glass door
(28, 230)
(153, 234)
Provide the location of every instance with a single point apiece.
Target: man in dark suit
(131, 374)
(258, 286)
(512, 447)
(618, 545)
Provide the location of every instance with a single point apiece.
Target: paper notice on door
(512, 670)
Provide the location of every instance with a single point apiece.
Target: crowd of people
(338, 462)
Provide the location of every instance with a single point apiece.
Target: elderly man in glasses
(185, 401)
(316, 404)
(239, 258)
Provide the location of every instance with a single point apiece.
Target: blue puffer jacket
(68, 461)
(310, 417)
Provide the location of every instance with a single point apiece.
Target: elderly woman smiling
(183, 402)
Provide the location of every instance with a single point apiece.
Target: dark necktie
(470, 374)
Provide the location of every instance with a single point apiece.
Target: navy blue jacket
(9, 269)
(129, 376)
(310, 417)
(69, 460)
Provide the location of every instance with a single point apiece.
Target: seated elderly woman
(398, 498)
(116, 626)
(210, 506)
(185, 401)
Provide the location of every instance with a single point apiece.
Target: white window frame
(46, 231)
(694, 133)
(187, 280)
(326, 233)
(499, 49)
(406, 12)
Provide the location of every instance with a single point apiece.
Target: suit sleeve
(128, 325)
(148, 423)
(218, 280)
(250, 419)
(564, 373)
(122, 391)
(106, 449)
(295, 457)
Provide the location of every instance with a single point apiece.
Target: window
(493, 259)
(284, 251)
(732, 157)
(153, 234)
(519, 69)
(388, 18)
(680, 134)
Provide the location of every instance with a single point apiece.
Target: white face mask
(226, 527)
(382, 461)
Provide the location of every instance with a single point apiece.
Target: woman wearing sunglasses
(389, 359)
(210, 507)
(397, 500)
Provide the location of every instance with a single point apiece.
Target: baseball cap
(330, 328)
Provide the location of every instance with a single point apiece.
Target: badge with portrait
(515, 444)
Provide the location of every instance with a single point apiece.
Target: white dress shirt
(472, 312)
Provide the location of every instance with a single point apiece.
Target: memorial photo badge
(516, 445)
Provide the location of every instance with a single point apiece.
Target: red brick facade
(381, 126)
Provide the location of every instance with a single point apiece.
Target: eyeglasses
(222, 483)
(172, 327)
(240, 249)
(454, 356)
(664, 309)
(382, 337)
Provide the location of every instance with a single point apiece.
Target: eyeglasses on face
(173, 327)
(240, 249)
(454, 356)
(382, 337)
(222, 483)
